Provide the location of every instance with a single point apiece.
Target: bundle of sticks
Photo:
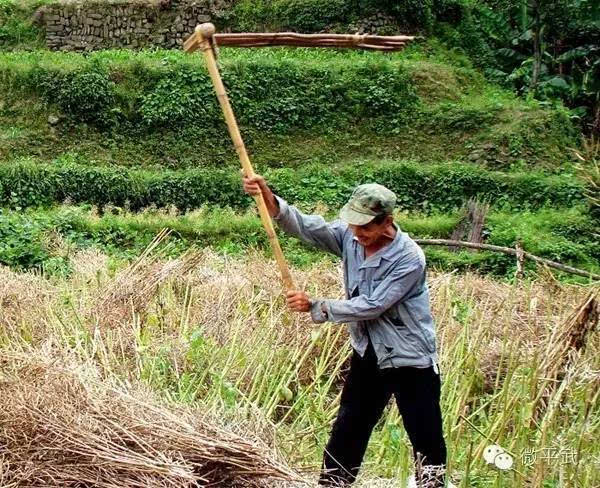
(359, 41)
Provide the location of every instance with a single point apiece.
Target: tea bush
(283, 95)
(21, 242)
(442, 187)
(280, 93)
(86, 94)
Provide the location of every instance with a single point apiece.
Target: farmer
(391, 329)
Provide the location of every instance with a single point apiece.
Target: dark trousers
(366, 392)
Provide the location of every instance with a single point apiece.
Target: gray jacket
(386, 294)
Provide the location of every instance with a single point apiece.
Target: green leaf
(558, 82)
(510, 54)
(577, 53)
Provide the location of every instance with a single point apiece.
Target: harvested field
(212, 381)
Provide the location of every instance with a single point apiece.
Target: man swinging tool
(387, 305)
(391, 329)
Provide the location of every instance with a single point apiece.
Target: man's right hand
(257, 185)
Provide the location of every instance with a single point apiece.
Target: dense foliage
(145, 108)
(47, 238)
(549, 49)
(275, 96)
(435, 187)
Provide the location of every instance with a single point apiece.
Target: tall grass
(48, 238)
(221, 340)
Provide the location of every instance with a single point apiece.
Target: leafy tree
(549, 49)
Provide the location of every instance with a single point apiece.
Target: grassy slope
(459, 116)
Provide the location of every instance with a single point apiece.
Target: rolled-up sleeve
(312, 229)
(392, 289)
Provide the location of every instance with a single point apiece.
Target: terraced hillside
(114, 132)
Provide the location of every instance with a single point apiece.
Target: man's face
(370, 233)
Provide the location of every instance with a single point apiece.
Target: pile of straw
(63, 427)
(564, 347)
(131, 291)
(22, 297)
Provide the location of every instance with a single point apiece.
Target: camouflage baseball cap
(367, 202)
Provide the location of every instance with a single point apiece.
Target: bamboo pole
(203, 41)
(510, 250)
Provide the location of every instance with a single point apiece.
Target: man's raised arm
(312, 229)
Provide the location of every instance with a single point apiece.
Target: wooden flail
(205, 39)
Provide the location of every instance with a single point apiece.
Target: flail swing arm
(206, 40)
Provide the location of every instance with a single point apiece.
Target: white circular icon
(503, 461)
(490, 453)
(495, 455)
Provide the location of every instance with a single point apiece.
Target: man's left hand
(298, 301)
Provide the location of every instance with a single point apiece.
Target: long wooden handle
(203, 33)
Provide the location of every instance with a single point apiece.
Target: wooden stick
(520, 261)
(204, 34)
(226, 37)
(509, 250)
(255, 39)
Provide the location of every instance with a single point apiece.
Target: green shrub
(86, 94)
(461, 30)
(311, 15)
(184, 96)
(20, 243)
(284, 95)
(27, 184)
(16, 28)
(431, 188)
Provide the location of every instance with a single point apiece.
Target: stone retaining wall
(101, 25)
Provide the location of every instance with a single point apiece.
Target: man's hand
(298, 301)
(257, 185)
